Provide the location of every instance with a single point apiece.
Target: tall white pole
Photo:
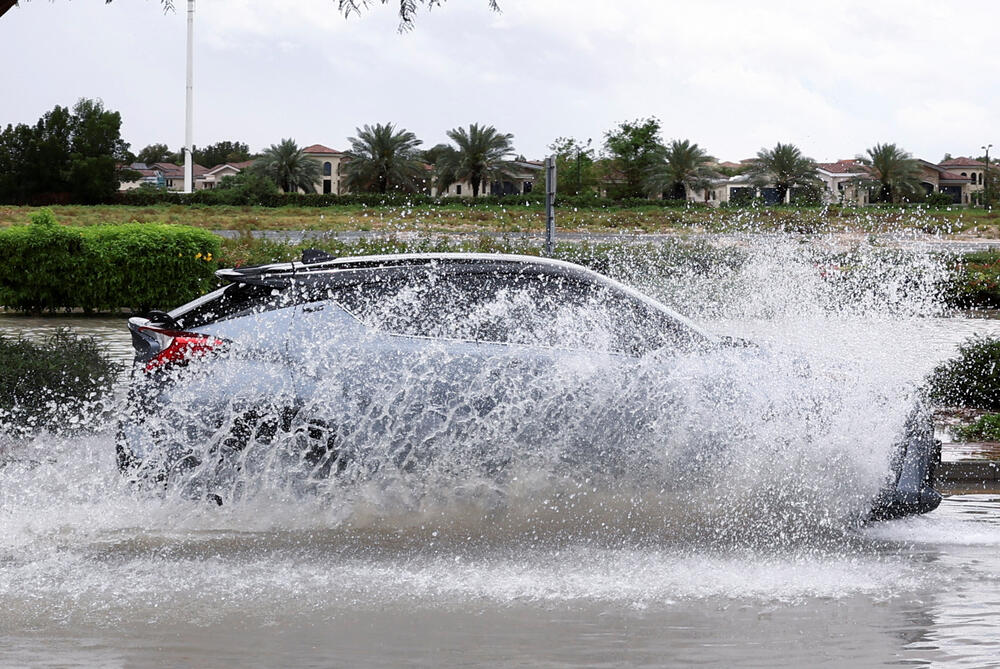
(188, 104)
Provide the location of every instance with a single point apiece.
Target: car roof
(279, 274)
(392, 260)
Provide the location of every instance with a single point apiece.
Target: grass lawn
(959, 222)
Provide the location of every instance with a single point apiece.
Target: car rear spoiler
(275, 275)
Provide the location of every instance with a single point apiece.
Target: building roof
(319, 148)
(177, 171)
(844, 166)
(962, 161)
(238, 166)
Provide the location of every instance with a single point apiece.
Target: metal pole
(550, 197)
(986, 179)
(188, 104)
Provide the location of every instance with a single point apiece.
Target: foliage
(382, 158)
(53, 383)
(633, 149)
(222, 152)
(785, 167)
(984, 428)
(895, 174)
(478, 156)
(289, 167)
(938, 199)
(158, 153)
(249, 187)
(103, 267)
(575, 173)
(972, 378)
(682, 165)
(407, 8)
(65, 155)
(977, 280)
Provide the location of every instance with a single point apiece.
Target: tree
(894, 174)
(785, 167)
(683, 165)
(382, 158)
(75, 153)
(222, 152)
(286, 165)
(478, 156)
(632, 149)
(574, 165)
(156, 153)
(407, 8)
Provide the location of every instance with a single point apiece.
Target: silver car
(360, 368)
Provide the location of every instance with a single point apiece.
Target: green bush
(46, 266)
(55, 383)
(940, 200)
(977, 280)
(984, 428)
(972, 378)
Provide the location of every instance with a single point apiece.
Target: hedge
(55, 383)
(45, 266)
(143, 197)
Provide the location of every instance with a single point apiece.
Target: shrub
(977, 280)
(972, 378)
(46, 266)
(984, 428)
(939, 200)
(55, 383)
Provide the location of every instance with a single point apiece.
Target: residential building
(214, 176)
(331, 164)
(971, 169)
(841, 181)
(939, 179)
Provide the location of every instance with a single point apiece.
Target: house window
(458, 189)
(327, 186)
(327, 169)
(170, 183)
(527, 187)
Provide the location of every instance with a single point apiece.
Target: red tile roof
(319, 148)
(177, 171)
(846, 166)
(962, 161)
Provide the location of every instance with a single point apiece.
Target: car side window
(535, 309)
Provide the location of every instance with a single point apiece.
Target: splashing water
(735, 474)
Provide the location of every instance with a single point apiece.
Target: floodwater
(96, 573)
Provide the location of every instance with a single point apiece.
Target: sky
(834, 78)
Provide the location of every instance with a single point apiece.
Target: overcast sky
(832, 77)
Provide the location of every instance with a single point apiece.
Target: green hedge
(144, 197)
(55, 383)
(137, 266)
(970, 379)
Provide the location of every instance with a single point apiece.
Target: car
(359, 368)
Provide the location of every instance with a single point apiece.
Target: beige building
(520, 178)
(969, 168)
(840, 182)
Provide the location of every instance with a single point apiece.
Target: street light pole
(188, 104)
(986, 178)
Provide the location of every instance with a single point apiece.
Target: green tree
(632, 149)
(156, 153)
(784, 166)
(75, 153)
(286, 165)
(382, 158)
(221, 152)
(479, 155)
(683, 165)
(894, 174)
(575, 172)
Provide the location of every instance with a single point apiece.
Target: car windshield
(513, 308)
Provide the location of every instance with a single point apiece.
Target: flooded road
(94, 572)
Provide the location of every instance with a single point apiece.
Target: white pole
(188, 104)
(550, 197)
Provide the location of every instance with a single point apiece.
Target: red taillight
(177, 347)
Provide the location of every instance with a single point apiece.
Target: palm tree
(785, 167)
(286, 165)
(895, 174)
(478, 156)
(382, 158)
(683, 165)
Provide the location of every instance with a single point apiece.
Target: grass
(451, 218)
